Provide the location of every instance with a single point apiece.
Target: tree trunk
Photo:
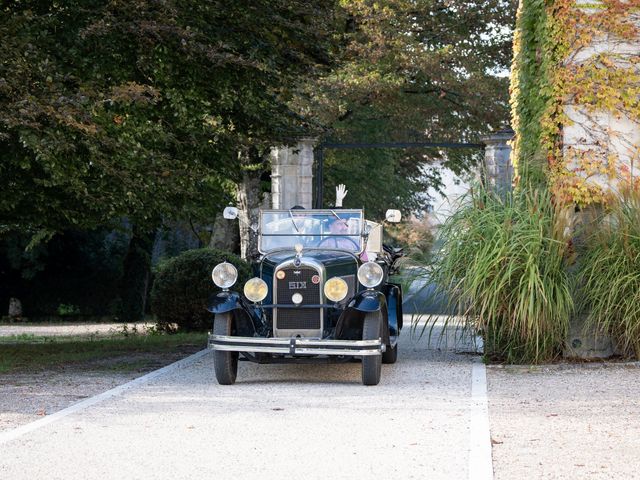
(225, 235)
(248, 208)
(250, 200)
(135, 277)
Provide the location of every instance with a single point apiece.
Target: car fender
(246, 320)
(393, 294)
(349, 325)
(368, 301)
(223, 302)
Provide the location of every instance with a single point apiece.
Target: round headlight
(335, 289)
(255, 290)
(370, 274)
(224, 275)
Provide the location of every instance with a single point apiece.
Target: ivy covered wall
(575, 97)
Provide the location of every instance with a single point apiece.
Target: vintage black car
(321, 294)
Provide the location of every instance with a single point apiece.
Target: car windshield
(332, 229)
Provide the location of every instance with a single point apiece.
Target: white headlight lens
(224, 275)
(335, 289)
(370, 274)
(255, 290)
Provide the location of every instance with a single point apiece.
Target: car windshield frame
(283, 229)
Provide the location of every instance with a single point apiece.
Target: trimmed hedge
(183, 284)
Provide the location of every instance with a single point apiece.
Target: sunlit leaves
(137, 109)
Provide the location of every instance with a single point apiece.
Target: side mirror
(230, 213)
(393, 216)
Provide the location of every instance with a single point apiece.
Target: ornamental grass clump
(502, 267)
(609, 274)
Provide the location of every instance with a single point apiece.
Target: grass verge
(29, 353)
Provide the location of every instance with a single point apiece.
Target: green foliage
(182, 286)
(137, 109)
(412, 71)
(65, 310)
(609, 274)
(377, 180)
(532, 93)
(420, 69)
(414, 237)
(503, 268)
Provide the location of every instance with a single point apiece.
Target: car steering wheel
(334, 239)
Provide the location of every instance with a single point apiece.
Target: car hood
(327, 258)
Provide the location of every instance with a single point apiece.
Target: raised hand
(341, 192)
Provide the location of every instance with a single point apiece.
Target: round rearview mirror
(230, 213)
(393, 216)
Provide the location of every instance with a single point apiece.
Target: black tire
(371, 364)
(390, 355)
(225, 363)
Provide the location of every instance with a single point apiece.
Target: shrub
(502, 268)
(414, 237)
(182, 286)
(609, 273)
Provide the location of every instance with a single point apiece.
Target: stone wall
(612, 137)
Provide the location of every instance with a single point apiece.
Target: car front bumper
(296, 346)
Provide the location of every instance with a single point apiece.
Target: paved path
(278, 421)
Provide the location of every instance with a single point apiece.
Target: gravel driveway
(58, 330)
(565, 421)
(318, 422)
(313, 421)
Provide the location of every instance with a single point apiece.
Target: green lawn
(28, 353)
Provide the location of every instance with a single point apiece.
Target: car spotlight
(224, 275)
(370, 274)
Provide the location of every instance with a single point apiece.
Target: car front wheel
(225, 363)
(371, 364)
(390, 355)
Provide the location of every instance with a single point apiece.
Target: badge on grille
(297, 285)
(280, 274)
(315, 279)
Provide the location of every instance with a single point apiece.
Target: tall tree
(138, 109)
(413, 70)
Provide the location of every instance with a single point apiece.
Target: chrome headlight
(255, 290)
(335, 289)
(370, 274)
(224, 275)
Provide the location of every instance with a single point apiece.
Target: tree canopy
(414, 71)
(137, 109)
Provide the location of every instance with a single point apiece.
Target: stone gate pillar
(497, 170)
(292, 175)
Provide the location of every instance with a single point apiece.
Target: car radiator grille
(298, 318)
